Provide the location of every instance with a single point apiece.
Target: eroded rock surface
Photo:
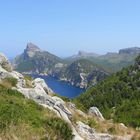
(94, 111)
(4, 63)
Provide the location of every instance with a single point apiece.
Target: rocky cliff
(4, 63)
(30, 50)
(34, 60)
(83, 73)
(130, 51)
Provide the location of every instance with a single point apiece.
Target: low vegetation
(21, 118)
(104, 126)
(28, 77)
(60, 128)
(28, 81)
(117, 97)
(9, 82)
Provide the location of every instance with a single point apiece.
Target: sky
(63, 27)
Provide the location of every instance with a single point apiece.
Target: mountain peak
(87, 54)
(31, 49)
(132, 50)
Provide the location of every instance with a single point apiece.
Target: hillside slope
(25, 120)
(83, 73)
(111, 62)
(117, 97)
(21, 118)
(30, 110)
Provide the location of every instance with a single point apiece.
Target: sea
(61, 87)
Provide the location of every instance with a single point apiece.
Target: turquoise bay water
(61, 88)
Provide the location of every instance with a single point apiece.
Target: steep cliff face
(83, 73)
(30, 50)
(4, 63)
(83, 54)
(35, 60)
(44, 115)
(130, 51)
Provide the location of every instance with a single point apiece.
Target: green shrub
(92, 123)
(25, 119)
(14, 109)
(112, 130)
(61, 128)
(117, 97)
(9, 82)
(28, 77)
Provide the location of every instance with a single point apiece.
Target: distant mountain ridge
(126, 51)
(82, 70)
(85, 54)
(131, 51)
(111, 61)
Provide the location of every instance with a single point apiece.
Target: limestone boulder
(85, 131)
(42, 83)
(4, 63)
(94, 111)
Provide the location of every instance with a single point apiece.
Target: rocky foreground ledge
(38, 91)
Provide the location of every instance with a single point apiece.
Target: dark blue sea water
(61, 88)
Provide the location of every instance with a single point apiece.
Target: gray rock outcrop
(130, 51)
(30, 50)
(56, 104)
(89, 133)
(41, 82)
(85, 131)
(94, 111)
(4, 63)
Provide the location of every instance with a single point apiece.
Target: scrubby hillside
(23, 119)
(83, 73)
(30, 110)
(117, 97)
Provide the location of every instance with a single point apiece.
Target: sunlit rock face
(130, 51)
(94, 111)
(35, 60)
(31, 50)
(4, 63)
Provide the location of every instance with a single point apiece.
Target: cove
(60, 87)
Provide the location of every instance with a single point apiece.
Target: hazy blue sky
(65, 26)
